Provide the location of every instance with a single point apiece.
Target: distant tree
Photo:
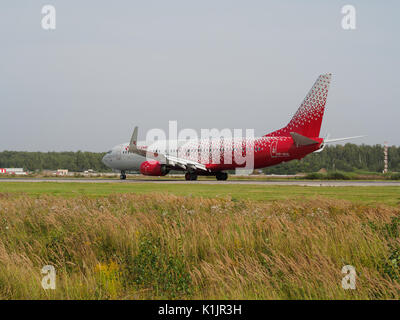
(349, 157)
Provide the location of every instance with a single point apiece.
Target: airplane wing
(184, 163)
(169, 160)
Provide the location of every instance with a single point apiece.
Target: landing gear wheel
(123, 175)
(221, 176)
(190, 176)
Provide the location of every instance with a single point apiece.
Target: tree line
(349, 157)
(73, 161)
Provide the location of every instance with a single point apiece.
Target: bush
(338, 176)
(330, 176)
(154, 267)
(391, 266)
(315, 176)
(395, 176)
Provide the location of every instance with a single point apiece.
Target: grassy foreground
(159, 245)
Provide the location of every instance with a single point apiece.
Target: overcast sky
(111, 65)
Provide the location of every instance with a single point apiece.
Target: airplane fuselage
(216, 156)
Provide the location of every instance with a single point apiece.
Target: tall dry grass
(164, 246)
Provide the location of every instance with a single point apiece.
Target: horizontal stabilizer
(300, 140)
(342, 139)
(326, 141)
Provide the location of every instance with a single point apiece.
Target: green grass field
(183, 241)
(369, 195)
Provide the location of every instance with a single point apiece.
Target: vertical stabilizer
(308, 118)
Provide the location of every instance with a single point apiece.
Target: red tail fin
(307, 120)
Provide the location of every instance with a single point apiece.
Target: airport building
(62, 172)
(16, 171)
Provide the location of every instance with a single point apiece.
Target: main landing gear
(123, 175)
(221, 176)
(190, 176)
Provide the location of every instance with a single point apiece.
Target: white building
(62, 172)
(16, 171)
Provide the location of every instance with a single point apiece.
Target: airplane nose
(107, 159)
(104, 160)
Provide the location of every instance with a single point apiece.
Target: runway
(311, 183)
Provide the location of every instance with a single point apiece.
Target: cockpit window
(109, 152)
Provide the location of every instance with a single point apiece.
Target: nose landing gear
(123, 175)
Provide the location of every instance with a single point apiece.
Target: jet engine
(153, 168)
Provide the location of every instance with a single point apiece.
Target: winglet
(133, 142)
(133, 148)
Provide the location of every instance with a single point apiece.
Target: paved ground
(325, 183)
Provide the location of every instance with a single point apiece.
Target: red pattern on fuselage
(267, 151)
